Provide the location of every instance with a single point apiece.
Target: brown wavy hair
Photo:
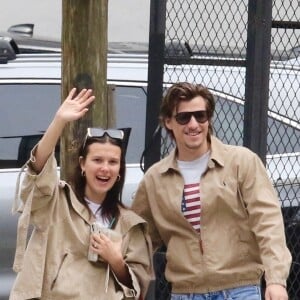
(185, 91)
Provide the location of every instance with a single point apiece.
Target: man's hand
(276, 292)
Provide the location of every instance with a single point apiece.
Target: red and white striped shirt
(191, 198)
(191, 204)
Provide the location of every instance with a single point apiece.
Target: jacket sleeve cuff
(131, 293)
(273, 279)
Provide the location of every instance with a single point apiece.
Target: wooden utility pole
(84, 65)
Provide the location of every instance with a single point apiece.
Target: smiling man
(214, 208)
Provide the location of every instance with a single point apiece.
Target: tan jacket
(242, 231)
(55, 265)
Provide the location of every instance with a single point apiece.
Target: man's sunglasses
(100, 132)
(183, 118)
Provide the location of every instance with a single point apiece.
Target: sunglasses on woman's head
(100, 132)
(184, 118)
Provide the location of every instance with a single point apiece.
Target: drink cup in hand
(111, 234)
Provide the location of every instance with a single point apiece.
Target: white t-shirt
(96, 210)
(191, 198)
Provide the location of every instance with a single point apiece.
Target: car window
(131, 112)
(282, 138)
(26, 111)
(228, 126)
(228, 121)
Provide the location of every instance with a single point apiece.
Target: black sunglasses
(100, 132)
(183, 118)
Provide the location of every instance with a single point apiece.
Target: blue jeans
(248, 292)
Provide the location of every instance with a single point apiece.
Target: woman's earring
(118, 177)
(82, 173)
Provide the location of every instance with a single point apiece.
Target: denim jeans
(248, 292)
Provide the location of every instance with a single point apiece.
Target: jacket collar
(218, 153)
(80, 209)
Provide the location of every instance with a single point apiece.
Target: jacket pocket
(58, 270)
(70, 278)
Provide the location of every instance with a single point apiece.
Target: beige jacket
(55, 264)
(242, 231)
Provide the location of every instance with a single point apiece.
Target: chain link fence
(209, 42)
(284, 145)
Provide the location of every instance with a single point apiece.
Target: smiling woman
(101, 172)
(122, 267)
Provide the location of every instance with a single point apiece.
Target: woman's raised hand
(71, 109)
(75, 107)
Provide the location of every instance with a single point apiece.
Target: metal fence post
(257, 76)
(155, 78)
